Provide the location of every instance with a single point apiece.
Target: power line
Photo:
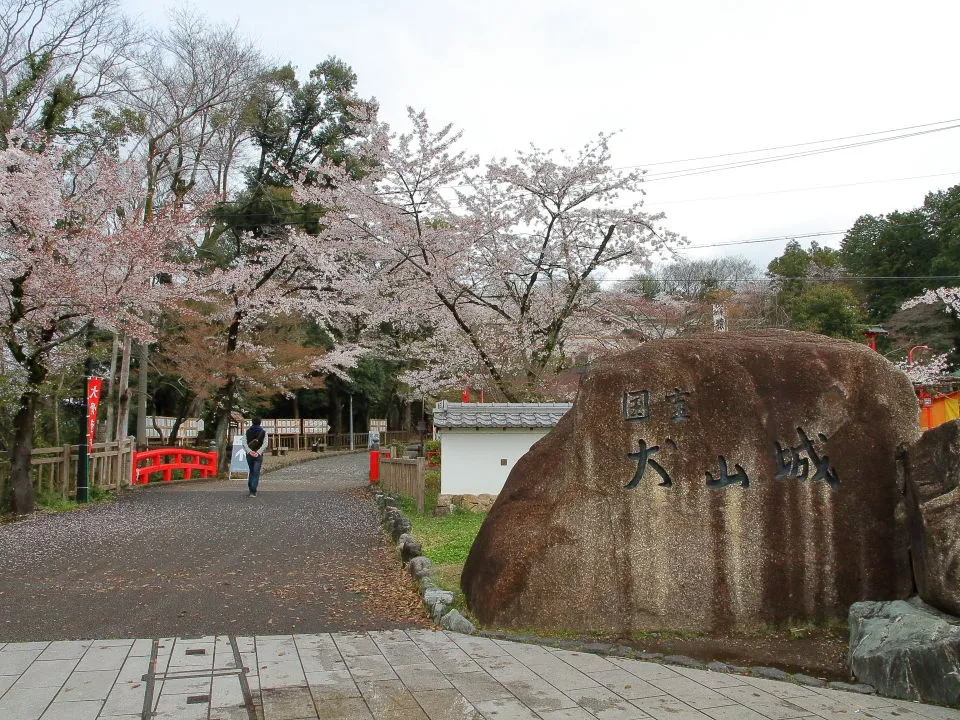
(688, 172)
(670, 175)
(806, 189)
(764, 240)
(793, 145)
(727, 283)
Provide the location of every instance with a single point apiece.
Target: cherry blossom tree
(928, 372)
(293, 274)
(498, 265)
(935, 368)
(74, 254)
(949, 296)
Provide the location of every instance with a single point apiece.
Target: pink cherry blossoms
(949, 296)
(74, 249)
(928, 372)
(487, 273)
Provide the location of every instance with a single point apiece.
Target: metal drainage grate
(196, 651)
(197, 699)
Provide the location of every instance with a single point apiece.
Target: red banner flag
(94, 386)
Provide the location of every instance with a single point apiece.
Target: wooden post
(421, 485)
(65, 474)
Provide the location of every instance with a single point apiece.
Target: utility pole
(351, 421)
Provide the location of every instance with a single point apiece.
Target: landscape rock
(770, 673)
(420, 567)
(853, 687)
(437, 611)
(808, 680)
(931, 479)
(906, 651)
(684, 661)
(724, 482)
(455, 622)
(408, 547)
(717, 666)
(598, 647)
(641, 655)
(436, 595)
(471, 503)
(398, 523)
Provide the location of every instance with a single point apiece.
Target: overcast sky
(675, 79)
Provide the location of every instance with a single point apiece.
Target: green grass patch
(53, 503)
(50, 502)
(445, 539)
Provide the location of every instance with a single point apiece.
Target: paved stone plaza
(408, 675)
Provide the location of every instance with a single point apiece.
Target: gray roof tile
(498, 415)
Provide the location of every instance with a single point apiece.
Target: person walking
(254, 443)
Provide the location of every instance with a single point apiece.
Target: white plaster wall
(471, 458)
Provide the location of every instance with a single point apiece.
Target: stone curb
(624, 651)
(436, 600)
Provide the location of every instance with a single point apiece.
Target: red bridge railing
(166, 460)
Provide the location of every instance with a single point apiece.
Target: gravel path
(202, 558)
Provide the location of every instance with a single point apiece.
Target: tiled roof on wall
(498, 415)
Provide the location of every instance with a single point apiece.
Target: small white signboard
(238, 458)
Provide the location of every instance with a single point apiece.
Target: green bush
(431, 446)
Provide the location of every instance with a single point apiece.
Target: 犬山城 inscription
(792, 461)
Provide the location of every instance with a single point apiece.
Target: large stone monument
(720, 482)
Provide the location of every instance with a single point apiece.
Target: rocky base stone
(930, 476)
(470, 503)
(906, 650)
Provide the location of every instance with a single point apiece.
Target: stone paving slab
(401, 674)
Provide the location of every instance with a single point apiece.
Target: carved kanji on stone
(644, 458)
(636, 405)
(725, 478)
(791, 464)
(678, 399)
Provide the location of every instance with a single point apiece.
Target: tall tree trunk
(142, 395)
(111, 400)
(123, 392)
(223, 405)
(223, 408)
(24, 499)
(336, 410)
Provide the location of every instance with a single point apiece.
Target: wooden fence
(404, 477)
(54, 470)
(342, 441)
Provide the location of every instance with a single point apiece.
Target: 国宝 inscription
(724, 481)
